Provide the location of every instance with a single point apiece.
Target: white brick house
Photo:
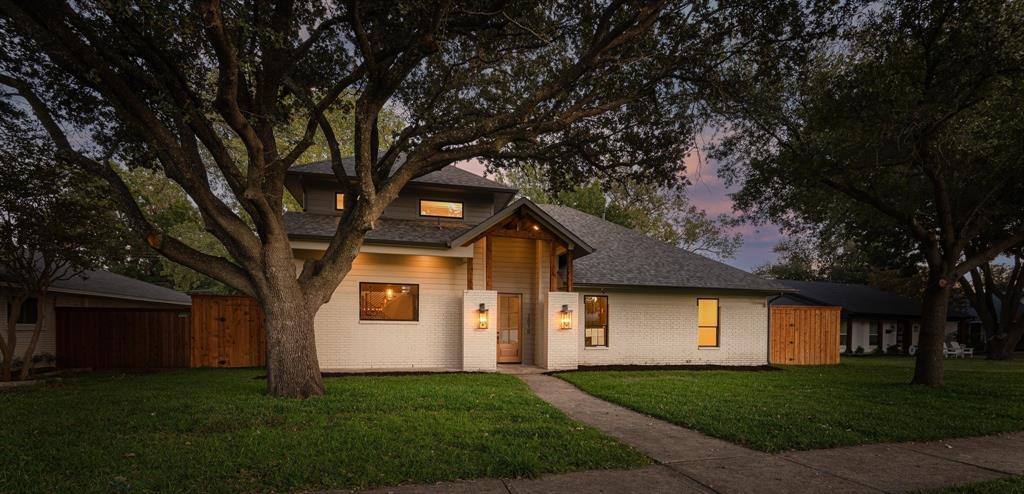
(558, 288)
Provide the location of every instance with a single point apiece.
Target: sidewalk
(690, 462)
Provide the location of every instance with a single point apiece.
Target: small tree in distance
(53, 225)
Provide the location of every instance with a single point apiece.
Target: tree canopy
(904, 135)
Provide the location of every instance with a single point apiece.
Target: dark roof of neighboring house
(436, 233)
(107, 284)
(856, 300)
(448, 176)
(624, 257)
(998, 306)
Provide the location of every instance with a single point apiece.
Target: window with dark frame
(441, 209)
(339, 201)
(29, 311)
(595, 327)
(389, 302)
(708, 314)
(874, 331)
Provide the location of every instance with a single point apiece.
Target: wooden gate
(106, 338)
(227, 331)
(804, 335)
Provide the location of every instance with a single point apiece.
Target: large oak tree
(905, 135)
(587, 87)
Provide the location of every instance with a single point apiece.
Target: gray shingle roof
(386, 231)
(449, 175)
(624, 257)
(858, 300)
(107, 284)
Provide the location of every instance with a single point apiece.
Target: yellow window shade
(707, 312)
(707, 336)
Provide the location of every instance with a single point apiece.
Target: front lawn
(214, 430)
(862, 400)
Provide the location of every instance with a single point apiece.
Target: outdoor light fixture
(565, 318)
(482, 316)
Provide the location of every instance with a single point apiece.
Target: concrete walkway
(687, 461)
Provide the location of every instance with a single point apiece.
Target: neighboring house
(453, 242)
(98, 289)
(971, 332)
(871, 318)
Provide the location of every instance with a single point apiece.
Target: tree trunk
(929, 366)
(288, 312)
(12, 338)
(30, 350)
(1001, 346)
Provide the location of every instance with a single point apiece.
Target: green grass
(1011, 485)
(863, 400)
(215, 430)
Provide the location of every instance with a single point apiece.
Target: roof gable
(542, 217)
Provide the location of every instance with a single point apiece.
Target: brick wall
(478, 345)
(435, 341)
(561, 350)
(660, 328)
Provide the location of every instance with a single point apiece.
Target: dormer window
(440, 209)
(339, 201)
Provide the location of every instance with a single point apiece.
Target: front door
(510, 317)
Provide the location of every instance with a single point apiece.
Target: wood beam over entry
(489, 264)
(552, 267)
(568, 269)
(469, 272)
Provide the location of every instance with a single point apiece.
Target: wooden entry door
(510, 325)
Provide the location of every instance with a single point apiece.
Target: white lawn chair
(966, 351)
(958, 351)
(947, 351)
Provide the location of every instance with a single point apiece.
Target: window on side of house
(874, 331)
(389, 302)
(843, 331)
(595, 330)
(339, 201)
(707, 322)
(441, 209)
(29, 311)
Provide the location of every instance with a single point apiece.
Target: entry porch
(519, 306)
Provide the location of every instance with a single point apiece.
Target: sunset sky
(709, 193)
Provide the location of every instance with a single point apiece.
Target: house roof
(433, 233)
(538, 214)
(448, 176)
(624, 257)
(111, 285)
(857, 300)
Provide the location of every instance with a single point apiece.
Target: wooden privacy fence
(804, 335)
(227, 331)
(107, 338)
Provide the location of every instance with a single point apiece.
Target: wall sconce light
(565, 318)
(482, 316)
